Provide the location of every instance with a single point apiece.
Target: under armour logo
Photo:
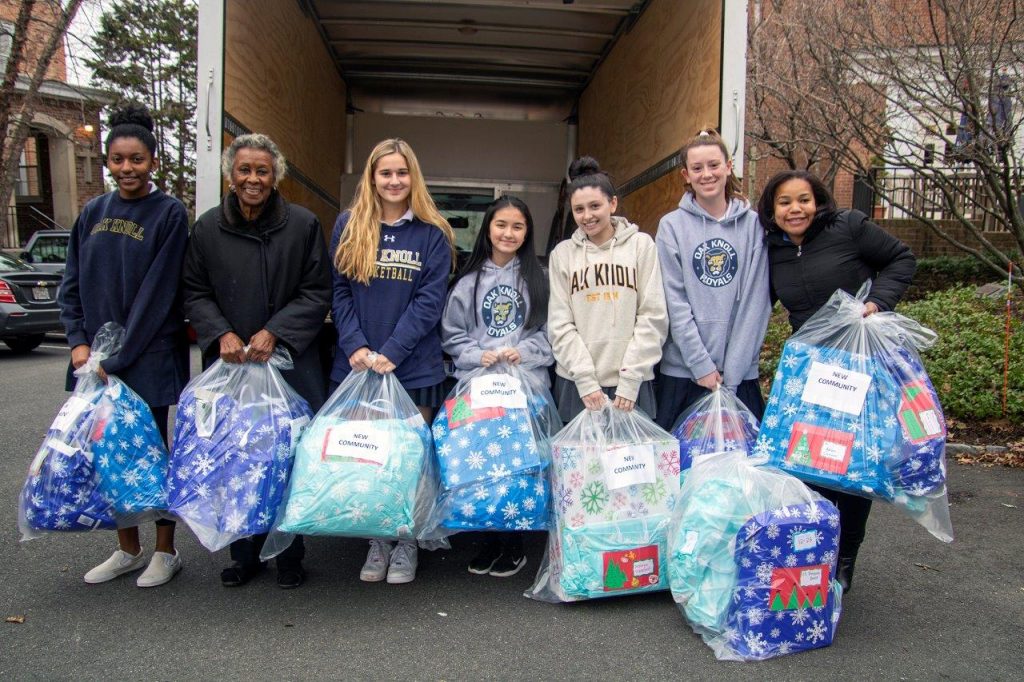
(389, 237)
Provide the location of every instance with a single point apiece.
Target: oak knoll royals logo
(715, 262)
(503, 310)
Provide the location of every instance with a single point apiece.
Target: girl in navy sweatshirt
(393, 252)
(124, 266)
(496, 311)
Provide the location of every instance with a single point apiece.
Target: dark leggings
(853, 519)
(676, 395)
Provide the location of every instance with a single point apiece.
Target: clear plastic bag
(492, 439)
(852, 409)
(102, 464)
(752, 560)
(614, 482)
(232, 450)
(717, 423)
(363, 467)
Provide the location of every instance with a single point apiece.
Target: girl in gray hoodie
(715, 272)
(497, 311)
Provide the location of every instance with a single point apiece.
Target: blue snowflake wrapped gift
(103, 464)
(752, 559)
(362, 467)
(492, 439)
(232, 450)
(615, 482)
(852, 409)
(719, 422)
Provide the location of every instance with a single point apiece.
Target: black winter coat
(839, 251)
(271, 273)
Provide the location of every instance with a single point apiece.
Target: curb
(965, 449)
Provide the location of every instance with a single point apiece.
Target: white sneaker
(162, 567)
(376, 566)
(403, 563)
(119, 563)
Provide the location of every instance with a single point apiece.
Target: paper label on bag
(206, 411)
(69, 412)
(690, 543)
(836, 388)
(627, 465)
(360, 441)
(805, 541)
(497, 390)
(295, 428)
(810, 577)
(930, 420)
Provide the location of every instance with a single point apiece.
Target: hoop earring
(232, 188)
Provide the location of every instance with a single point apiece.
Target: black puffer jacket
(839, 251)
(271, 273)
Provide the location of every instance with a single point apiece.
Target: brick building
(61, 167)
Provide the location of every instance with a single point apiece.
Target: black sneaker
(508, 565)
(290, 576)
(240, 573)
(484, 561)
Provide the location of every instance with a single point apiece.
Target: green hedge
(945, 272)
(965, 365)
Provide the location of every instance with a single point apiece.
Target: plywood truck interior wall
(495, 97)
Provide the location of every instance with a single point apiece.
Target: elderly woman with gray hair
(256, 275)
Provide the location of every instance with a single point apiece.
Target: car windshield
(9, 263)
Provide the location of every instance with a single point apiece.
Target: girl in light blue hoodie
(715, 273)
(496, 311)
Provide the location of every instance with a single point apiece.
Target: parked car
(47, 250)
(28, 304)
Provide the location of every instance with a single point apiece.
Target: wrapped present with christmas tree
(719, 422)
(492, 439)
(362, 467)
(615, 482)
(102, 464)
(852, 409)
(752, 559)
(232, 451)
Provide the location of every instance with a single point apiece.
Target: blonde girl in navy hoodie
(715, 271)
(498, 310)
(393, 252)
(131, 276)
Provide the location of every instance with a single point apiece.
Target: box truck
(495, 96)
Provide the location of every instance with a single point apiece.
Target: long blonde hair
(356, 257)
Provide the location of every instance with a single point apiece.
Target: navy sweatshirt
(124, 265)
(399, 313)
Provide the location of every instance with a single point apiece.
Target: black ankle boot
(844, 572)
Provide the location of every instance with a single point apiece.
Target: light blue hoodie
(715, 274)
(495, 317)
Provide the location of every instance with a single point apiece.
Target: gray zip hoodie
(715, 274)
(606, 316)
(494, 318)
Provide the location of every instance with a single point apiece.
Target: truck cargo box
(495, 96)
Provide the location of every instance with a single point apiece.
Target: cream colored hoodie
(607, 320)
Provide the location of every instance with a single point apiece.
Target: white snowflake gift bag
(615, 482)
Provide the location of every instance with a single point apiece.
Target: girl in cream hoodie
(606, 317)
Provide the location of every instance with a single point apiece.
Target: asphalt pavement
(919, 609)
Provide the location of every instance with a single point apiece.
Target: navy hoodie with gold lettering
(124, 265)
(399, 313)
